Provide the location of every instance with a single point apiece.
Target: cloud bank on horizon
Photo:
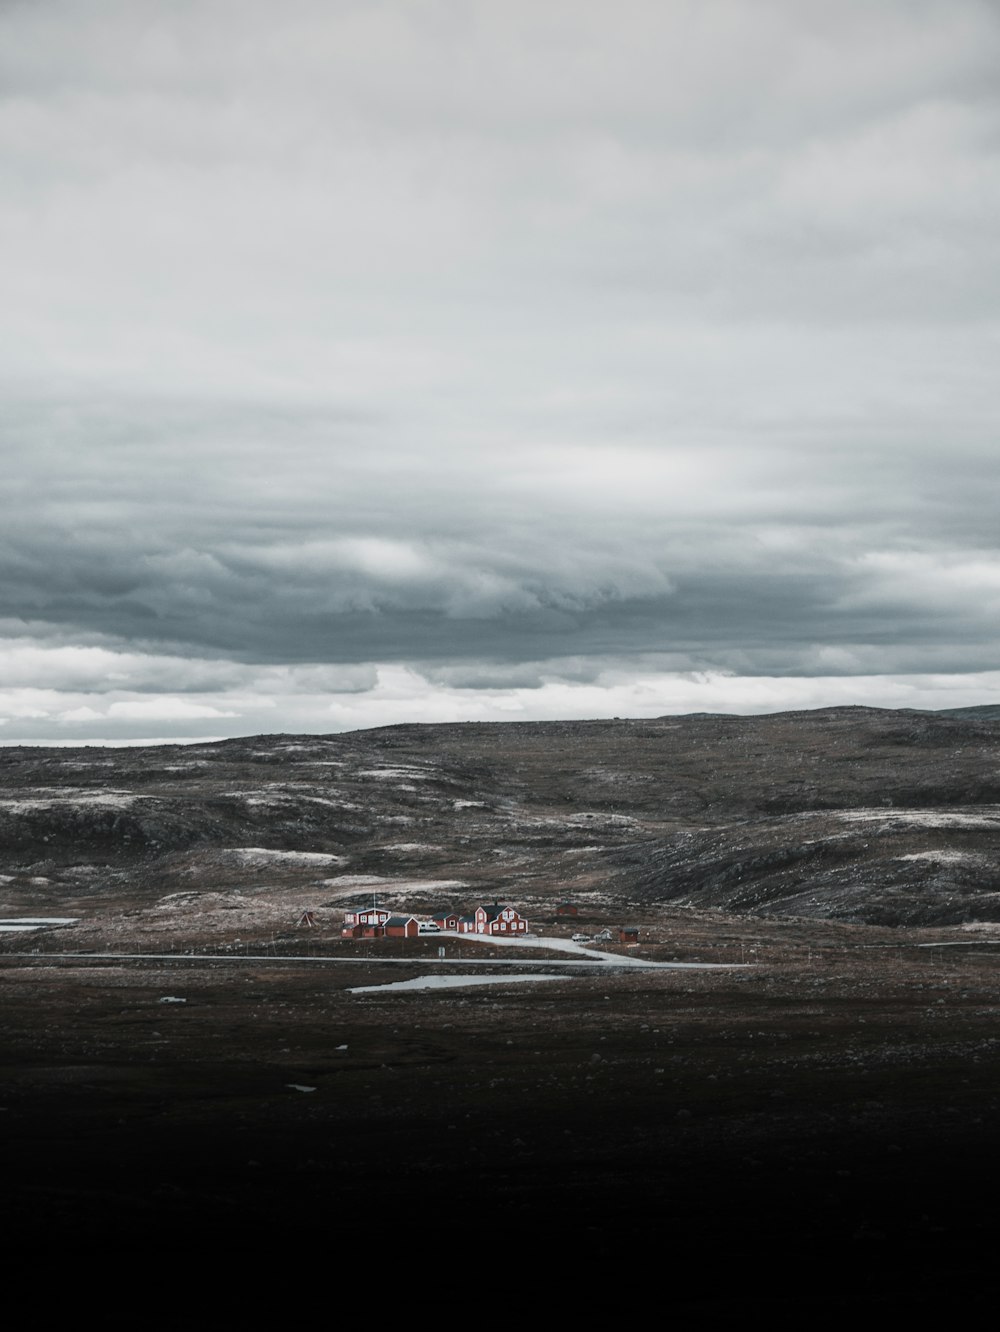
(437, 359)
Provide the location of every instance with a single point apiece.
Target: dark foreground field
(824, 1119)
(813, 1126)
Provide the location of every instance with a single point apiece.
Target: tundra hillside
(192, 1051)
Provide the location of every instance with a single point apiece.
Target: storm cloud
(388, 361)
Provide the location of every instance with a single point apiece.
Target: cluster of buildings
(377, 922)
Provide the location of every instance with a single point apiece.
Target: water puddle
(450, 982)
(15, 923)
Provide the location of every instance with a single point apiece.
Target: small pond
(450, 982)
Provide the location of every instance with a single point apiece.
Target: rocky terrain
(850, 814)
(188, 1066)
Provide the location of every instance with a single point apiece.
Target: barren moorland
(186, 1056)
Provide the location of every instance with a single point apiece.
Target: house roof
(495, 909)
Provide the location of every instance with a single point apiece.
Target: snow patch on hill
(262, 855)
(945, 857)
(924, 818)
(72, 799)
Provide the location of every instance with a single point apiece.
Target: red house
(365, 922)
(494, 919)
(376, 922)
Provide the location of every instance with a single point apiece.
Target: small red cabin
(402, 927)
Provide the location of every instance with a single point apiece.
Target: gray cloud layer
(479, 337)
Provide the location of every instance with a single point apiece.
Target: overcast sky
(419, 360)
